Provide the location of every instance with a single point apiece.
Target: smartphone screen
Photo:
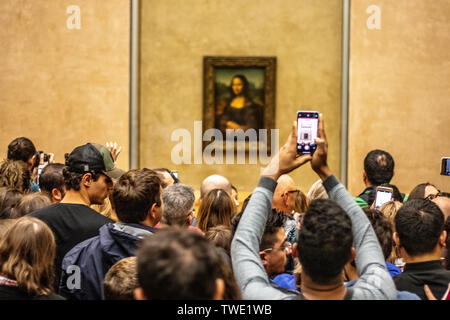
(445, 167)
(307, 125)
(383, 195)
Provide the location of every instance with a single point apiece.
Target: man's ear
(86, 180)
(153, 211)
(139, 294)
(220, 289)
(263, 256)
(190, 219)
(443, 238)
(56, 195)
(294, 250)
(353, 254)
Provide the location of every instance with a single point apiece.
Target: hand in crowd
(287, 158)
(428, 292)
(114, 148)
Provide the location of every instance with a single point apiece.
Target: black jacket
(416, 275)
(96, 256)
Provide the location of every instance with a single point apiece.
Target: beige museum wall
(62, 88)
(304, 35)
(400, 90)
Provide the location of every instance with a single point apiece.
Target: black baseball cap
(93, 157)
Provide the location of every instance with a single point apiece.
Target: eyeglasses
(286, 246)
(433, 196)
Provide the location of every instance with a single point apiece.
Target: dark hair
(396, 195)
(379, 167)
(325, 241)
(383, 229)
(72, 180)
(121, 280)
(444, 194)
(8, 200)
(419, 224)
(135, 193)
(177, 264)
(52, 178)
(15, 174)
(275, 221)
(29, 203)
(418, 192)
(245, 86)
(175, 179)
(21, 149)
(447, 244)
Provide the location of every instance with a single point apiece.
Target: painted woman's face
(237, 85)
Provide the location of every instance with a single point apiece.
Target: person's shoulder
(46, 210)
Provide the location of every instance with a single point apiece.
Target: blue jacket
(95, 256)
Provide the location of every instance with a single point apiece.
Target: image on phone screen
(382, 197)
(307, 125)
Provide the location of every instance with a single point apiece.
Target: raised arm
(374, 280)
(247, 265)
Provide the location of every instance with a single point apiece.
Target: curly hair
(325, 240)
(15, 174)
(72, 180)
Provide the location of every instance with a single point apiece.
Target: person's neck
(335, 290)
(431, 256)
(76, 197)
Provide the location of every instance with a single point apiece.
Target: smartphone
(307, 126)
(383, 195)
(445, 167)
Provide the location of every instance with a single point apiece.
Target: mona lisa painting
(239, 93)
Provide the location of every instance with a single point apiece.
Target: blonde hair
(121, 280)
(300, 204)
(317, 191)
(216, 208)
(389, 210)
(27, 252)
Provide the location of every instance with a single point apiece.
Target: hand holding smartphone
(307, 126)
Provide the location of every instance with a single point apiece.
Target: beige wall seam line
(345, 90)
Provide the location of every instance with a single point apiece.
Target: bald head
(279, 201)
(444, 204)
(215, 182)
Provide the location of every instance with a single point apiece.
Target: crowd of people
(87, 230)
